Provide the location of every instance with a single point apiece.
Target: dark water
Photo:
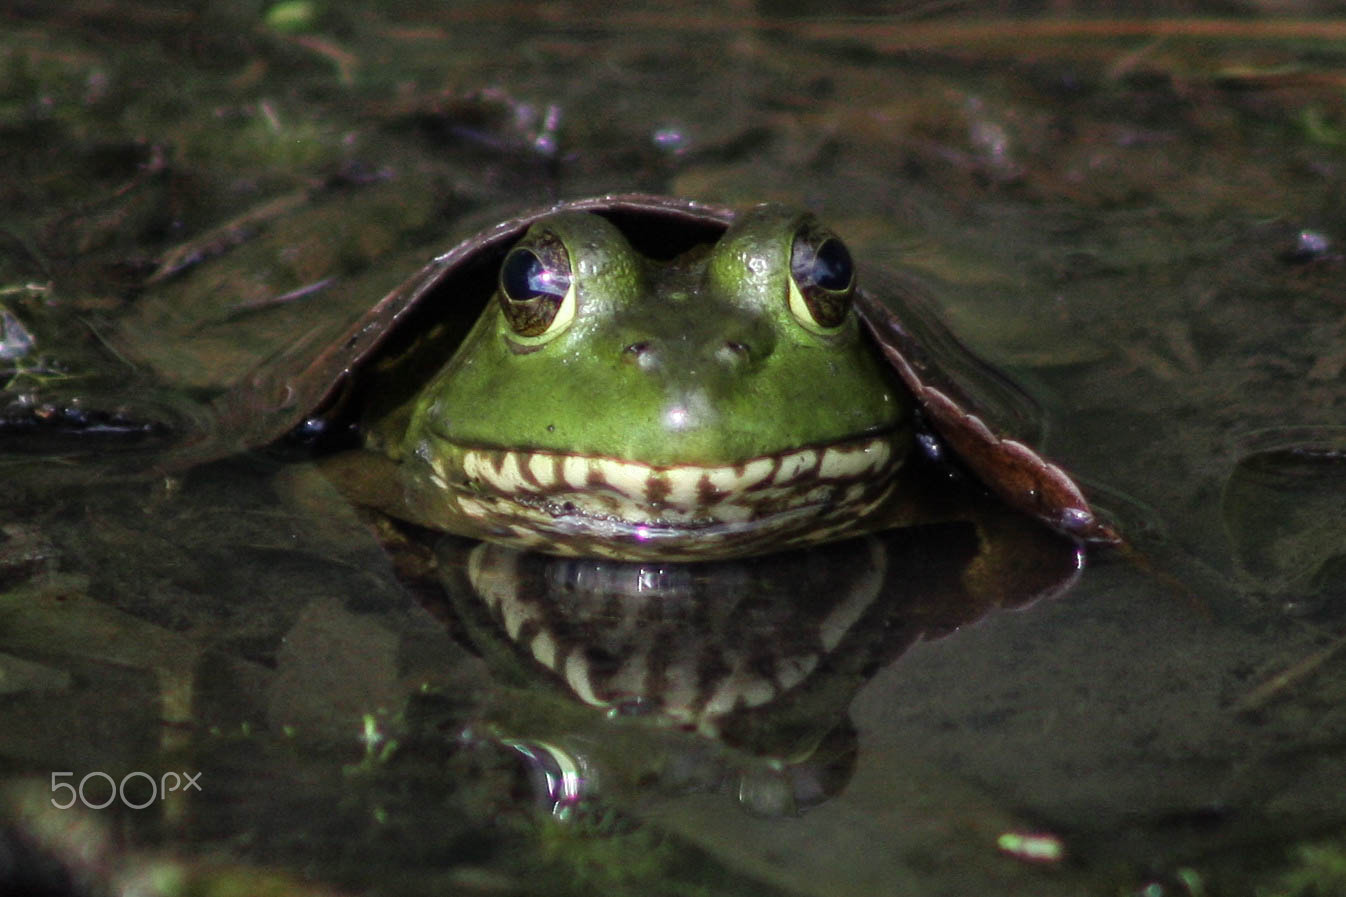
(1142, 222)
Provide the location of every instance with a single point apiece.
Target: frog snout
(682, 354)
(691, 348)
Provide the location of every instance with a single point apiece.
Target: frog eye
(822, 279)
(537, 291)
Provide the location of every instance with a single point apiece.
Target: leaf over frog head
(638, 377)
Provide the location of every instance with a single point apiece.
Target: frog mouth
(584, 504)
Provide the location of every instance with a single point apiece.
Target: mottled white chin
(592, 505)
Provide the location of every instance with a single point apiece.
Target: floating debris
(1032, 847)
(1309, 246)
(15, 340)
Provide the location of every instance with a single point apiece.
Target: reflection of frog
(762, 655)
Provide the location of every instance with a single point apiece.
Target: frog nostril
(733, 353)
(643, 354)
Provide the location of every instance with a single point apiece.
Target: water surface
(1140, 220)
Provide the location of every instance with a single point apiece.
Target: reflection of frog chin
(737, 673)
(755, 651)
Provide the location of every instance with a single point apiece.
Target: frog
(650, 378)
(607, 402)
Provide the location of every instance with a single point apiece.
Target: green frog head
(718, 402)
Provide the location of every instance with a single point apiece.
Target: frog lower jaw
(591, 505)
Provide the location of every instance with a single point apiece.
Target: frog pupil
(832, 266)
(821, 262)
(524, 276)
